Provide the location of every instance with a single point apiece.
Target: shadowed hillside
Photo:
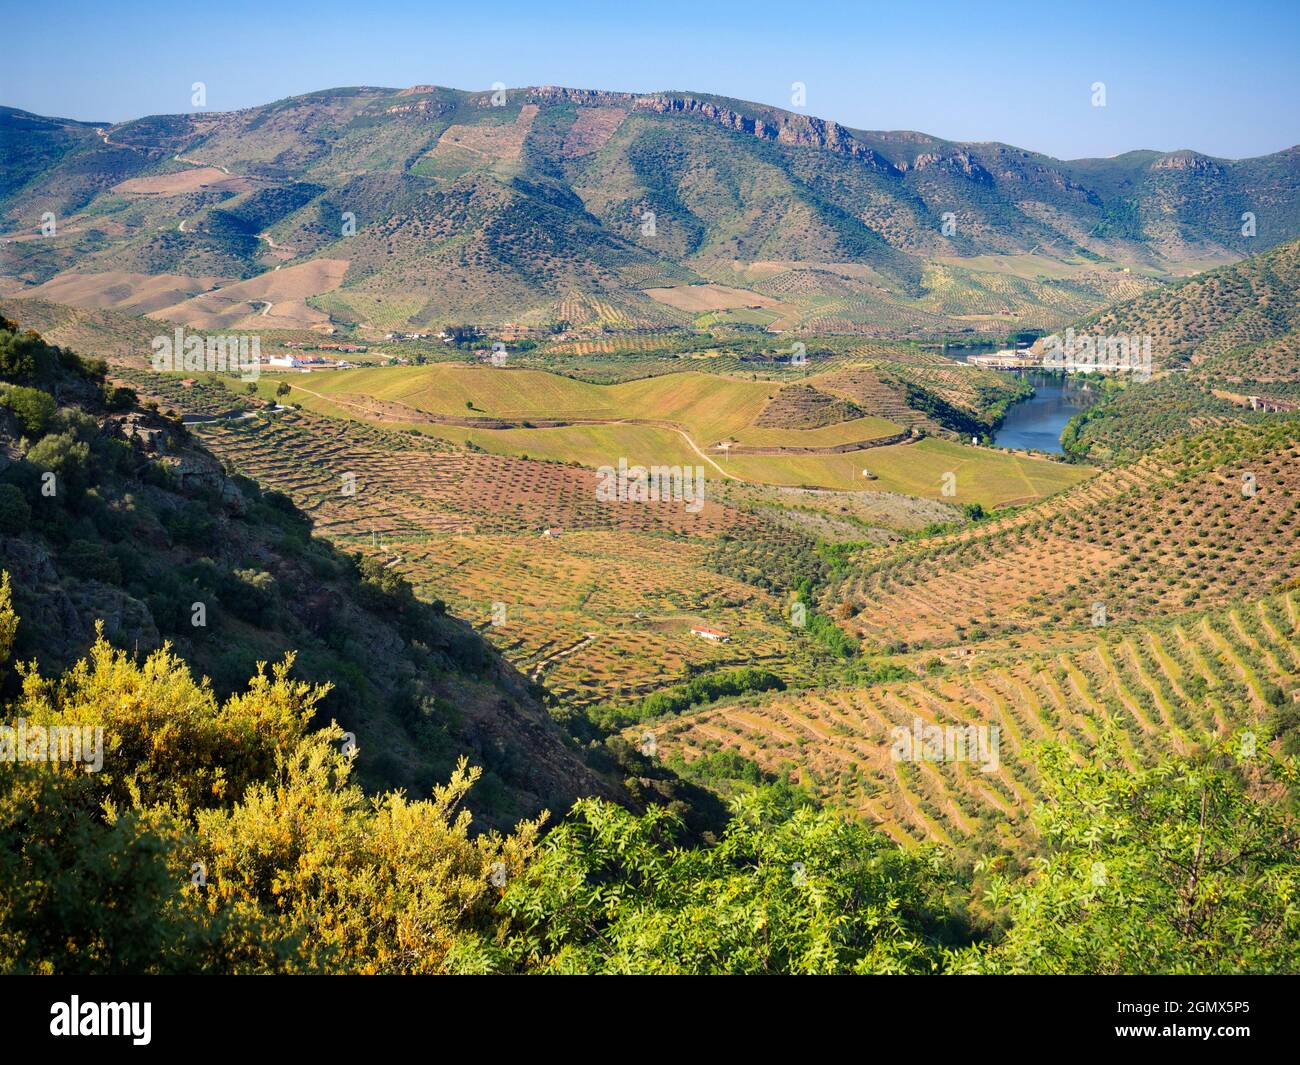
(112, 512)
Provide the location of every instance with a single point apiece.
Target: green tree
(810, 892)
(1190, 866)
(33, 408)
(64, 455)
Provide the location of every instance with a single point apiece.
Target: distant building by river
(1007, 359)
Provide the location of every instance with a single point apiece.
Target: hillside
(1191, 524)
(1157, 602)
(565, 207)
(114, 512)
(1225, 336)
(1161, 689)
(1219, 317)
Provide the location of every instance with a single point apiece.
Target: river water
(1036, 423)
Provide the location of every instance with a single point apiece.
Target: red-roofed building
(709, 634)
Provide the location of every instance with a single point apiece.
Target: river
(1036, 424)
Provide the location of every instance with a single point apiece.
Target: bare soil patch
(591, 129)
(201, 177)
(495, 142)
(697, 299)
(244, 305)
(121, 290)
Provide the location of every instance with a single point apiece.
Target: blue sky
(1220, 77)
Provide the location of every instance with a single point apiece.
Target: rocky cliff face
(1191, 161)
(801, 131)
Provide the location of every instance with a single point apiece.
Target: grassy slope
(708, 407)
(983, 475)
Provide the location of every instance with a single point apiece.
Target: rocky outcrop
(957, 161)
(557, 94)
(1189, 161)
(802, 131)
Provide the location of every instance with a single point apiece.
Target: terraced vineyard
(354, 477)
(866, 387)
(203, 395)
(601, 616)
(1193, 524)
(608, 345)
(1189, 552)
(601, 609)
(1161, 687)
(601, 605)
(805, 407)
(1159, 600)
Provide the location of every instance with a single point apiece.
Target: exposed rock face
(425, 106)
(196, 470)
(145, 430)
(1191, 161)
(801, 131)
(959, 161)
(557, 94)
(158, 438)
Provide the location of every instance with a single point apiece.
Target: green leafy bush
(33, 408)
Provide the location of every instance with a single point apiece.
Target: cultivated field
(122, 290)
(1161, 688)
(181, 182)
(698, 299)
(601, 609)
(1199, 522)
(678, 418)
(274, 300)
(981, 475)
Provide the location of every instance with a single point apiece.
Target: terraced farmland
(601, 616)
(1194, 568)
(866, 387)
(609, 345)
(355, 478)
(683, 418)
(203, 395)
(1194, 524)
(600, 610)
(1161, 687)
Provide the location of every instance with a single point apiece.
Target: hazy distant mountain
(561, 203)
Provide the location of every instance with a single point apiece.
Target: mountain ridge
(581, 96)
(519, 199)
